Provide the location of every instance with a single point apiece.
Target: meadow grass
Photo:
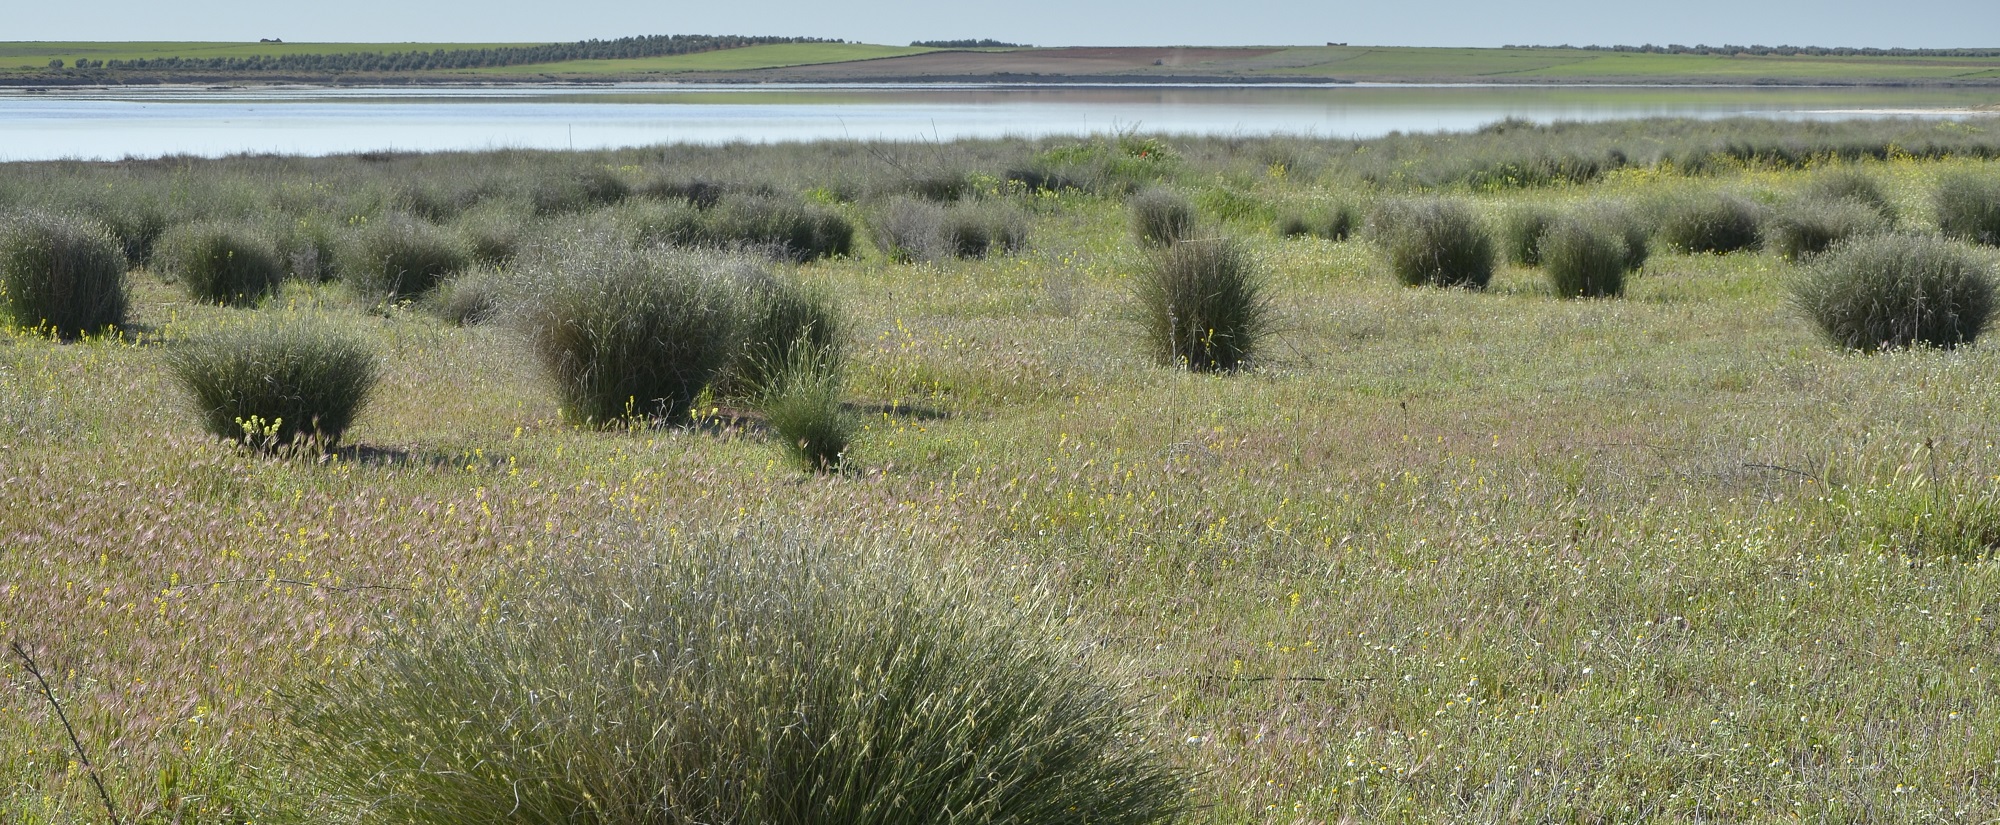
(1442, 555)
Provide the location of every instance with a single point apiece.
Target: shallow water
(148, 122)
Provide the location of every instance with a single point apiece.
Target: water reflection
(147, 122)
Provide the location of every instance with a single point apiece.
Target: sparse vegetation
(1895, 291)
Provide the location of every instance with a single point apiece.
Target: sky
(1912, 24)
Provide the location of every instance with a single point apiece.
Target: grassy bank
(1434, 555)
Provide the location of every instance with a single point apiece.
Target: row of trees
(622, 48)
(983, 43)
(1781, 51)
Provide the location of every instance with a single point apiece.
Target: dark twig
(1777, 468)
(298, 582)
(48, 693)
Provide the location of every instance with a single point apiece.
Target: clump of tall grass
(474, 296)
(492, 232)
(1331, 221)
(1521, 234)
(761, 680)
(781, 320)
(1968, 207)
(1808, 226)
(1434, 242)
(1708, 222)
(646, 222)
(219, 262)
(1202, 305)
(61, 273)
(1893, 291)
(1851, 185)
(701, 193)
(1588, 253)
(401, 257)
(801, 403)
(629, 333)
(914, 230)
(563, 189)
(275, 382)
(792, 228)
(1162, 216)
(306, 248)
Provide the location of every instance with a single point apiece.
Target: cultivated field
(1432, 554)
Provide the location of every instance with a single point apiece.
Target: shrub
(802, 405)
(467, 298)
(61, 273)
(782, 320)
(1709, 223)
(628, 333)
(1521, 234)
(1852, 186)
(1435, 242)
(1202, 305)
(401, 257)
(912, 230)
(274, 382)
(1587, 255)
(1808, 226)
(219, 262)
(1161, 216)
(792, 228)
(762, 682)
(657, 223)
(1893, 291)
(1968, 208)
(1334, 222)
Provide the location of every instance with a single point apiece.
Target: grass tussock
(61, 273)
(1203, 306)
(1968, 207)
(1332, 221)
(278, 381)
(1808, 226)
(789, 227)
(401, 257)
(1589, 253)
(629, 333)
(220, 262)
(744, 680)
(1895, 291)
(910, 230)
(475, 296)
(782, 320)
(1708, 222)
(802, 404)
(1850, 185)
(1162, 216)
(1434, 242)
(1521, 234)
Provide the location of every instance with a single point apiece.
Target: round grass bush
(563, 190)
(645, 222)
(1161, 216)
(491, 233)
(801, 403)
(1850, 185)
(400, 257)
(61, 273)
(468, 298)
(219, 262)
(1893, 291)
(790, 227)
(1521, 234)
(761, 680)
(1968, 207)
(275, 381)
(629, 333)
(914, 230)
(1709, 222)
(1434, 242)
(1808, 226)
(781, 320)
(1333, 222)
(1202, 305)
(1587, 256)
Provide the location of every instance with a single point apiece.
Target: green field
(1436, 555)
(1557, 65)
(726, 60)
(37, 54)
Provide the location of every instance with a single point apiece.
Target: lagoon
(139, 122)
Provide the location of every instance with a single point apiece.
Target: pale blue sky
(1914, 23)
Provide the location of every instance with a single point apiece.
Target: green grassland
(1439, 556)
(23, 55)
(1559, 65)
(725, 60)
